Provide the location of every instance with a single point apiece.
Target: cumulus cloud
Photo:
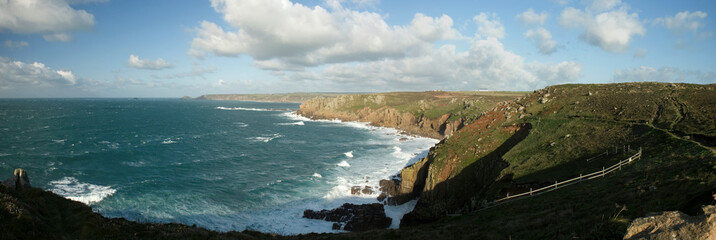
(158, 64)
(335, 48)
(489, 26)
(607, 24)
(299, 36)
(602, 5)
(485, 65)
(663, 74)
(17, 73)
(15, 44)
(683, 23)
(542, 39)
(530, 17)
(47, 17)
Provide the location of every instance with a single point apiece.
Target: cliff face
(425, 114)
(562, 126)
(675, 225)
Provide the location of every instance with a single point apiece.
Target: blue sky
(111, 48)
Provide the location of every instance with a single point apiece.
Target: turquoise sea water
(223, 165)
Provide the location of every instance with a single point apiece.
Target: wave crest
(87, 193)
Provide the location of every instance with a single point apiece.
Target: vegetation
(552, 134)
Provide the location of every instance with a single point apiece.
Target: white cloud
(279, 33)
(54, 37)
(17, 73)
(529, 17)
(158, 64)
(683, 21)
(485, 65)
(86, 1)
(663, 74)
(48, 17)
(611, 30)
(542, 40)
(602, 5)
(16, 44)
(489, 26)
(335, 49)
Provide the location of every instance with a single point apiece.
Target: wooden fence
(565, 183)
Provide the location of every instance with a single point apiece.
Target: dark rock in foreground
(352, 217)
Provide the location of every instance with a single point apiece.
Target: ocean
(222, 165)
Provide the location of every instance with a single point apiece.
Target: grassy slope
(432, 104)
(569, 129)
(566, 131)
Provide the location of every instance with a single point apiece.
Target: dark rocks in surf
(358, 190)
(18, 181)
(353, 217)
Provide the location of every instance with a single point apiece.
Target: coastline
(395, 212)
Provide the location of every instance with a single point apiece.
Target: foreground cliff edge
(505, 148)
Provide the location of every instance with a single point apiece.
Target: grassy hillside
(573, 129)
(430, 114)
(551, 134)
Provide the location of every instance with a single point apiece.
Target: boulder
(352, 217)
(18, 181)
(675, 225)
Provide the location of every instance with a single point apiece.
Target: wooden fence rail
(568, 182)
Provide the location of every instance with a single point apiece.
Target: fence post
(580, 177)
(555, 184)
(629, 147)
(530, 191)
(602, 171)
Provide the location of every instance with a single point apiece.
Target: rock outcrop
(352, 217)
(675, 225)
(18, 181)
(385, 116)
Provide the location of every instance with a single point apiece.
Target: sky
(174, 48)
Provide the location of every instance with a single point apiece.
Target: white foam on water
(87, 193)
(266, 138)
(59, 140)
(240, 124)
(294, 116)
(293, 123)
(316, 175)
(168, 141)
(134, 164)
(348, 154)
(4, 154)
(344, 164)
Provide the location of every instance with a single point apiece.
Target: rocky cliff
(429, 114)
(675, 225)
(558, 132)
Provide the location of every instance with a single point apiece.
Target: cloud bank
(158, 64)
(339, 48)
(54, 19)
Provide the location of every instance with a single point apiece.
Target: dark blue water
(224, 165)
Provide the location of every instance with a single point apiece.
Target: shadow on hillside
(458, 194)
